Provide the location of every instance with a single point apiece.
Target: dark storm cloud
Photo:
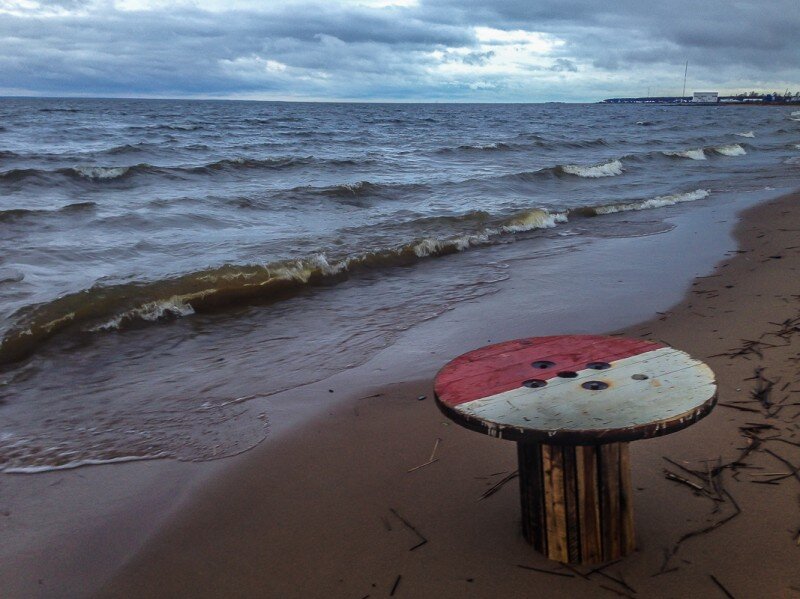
(428, 51)
(187, 50)
(748, 33)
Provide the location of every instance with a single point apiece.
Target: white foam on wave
(527, 221)
(431, 246)
(795, 113)
(658, 202)
(301, 270)
(606, 169)
(151, 311)
(78, 463)
(697, 154)
(535, 219)
(730, 150)
(746, 134)
(101, 172)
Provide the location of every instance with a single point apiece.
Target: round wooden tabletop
(575, 389)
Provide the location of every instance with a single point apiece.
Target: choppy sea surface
(163, 261)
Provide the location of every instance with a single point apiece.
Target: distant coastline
(750, 99)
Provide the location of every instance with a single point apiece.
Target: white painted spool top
(576, 389)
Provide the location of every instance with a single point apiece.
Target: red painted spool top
(575, 389)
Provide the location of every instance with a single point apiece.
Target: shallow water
(163, 262)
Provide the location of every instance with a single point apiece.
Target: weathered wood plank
(628, 539)
(529, 459)
(588, 504)
(609, 500)
(571, 505)
(556, 520)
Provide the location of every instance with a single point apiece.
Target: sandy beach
(336, 506)
(329, 512)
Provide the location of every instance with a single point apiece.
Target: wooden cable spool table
(573, 403)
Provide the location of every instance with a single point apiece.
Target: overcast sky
(407, 50)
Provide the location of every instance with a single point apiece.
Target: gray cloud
(586, 50)
(564, 64)
(478, 58)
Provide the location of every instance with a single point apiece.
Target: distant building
(705, 97)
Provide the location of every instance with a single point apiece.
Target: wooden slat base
(577, 501)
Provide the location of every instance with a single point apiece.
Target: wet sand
(328, 511)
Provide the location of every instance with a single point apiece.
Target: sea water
(163, 262)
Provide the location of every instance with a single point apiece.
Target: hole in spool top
(595, 385)
(534, 383)
(640, 377)
(542, 364)
(567, 374)
(598, 365)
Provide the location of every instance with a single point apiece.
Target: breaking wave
(658, 202)
(112, 307)
(120, 306)
(525, 141)
(99, 173)
(533, 219)
(698, 154)
(746, 134)
(730, 150)
(7, 216)
(702, 153)
(605, 169)
(492, 147)
(110, 173)
(89, 173)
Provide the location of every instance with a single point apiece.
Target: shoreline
(263, 528)
(268, 517)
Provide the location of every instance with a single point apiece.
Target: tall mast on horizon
(685, 71)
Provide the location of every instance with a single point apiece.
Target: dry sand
(329, 512)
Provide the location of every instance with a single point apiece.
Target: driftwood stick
(411, 527)
(685, 481)
(721, 587)
(715, 525)
(543, 571)
(796, 444)
(576, 571)
(428, 463)
(667, 571)
(603, 567)
(615, 591)
(498, 485)
(786, 462)
(686, 469)
(435, 447)
(619, 581)
(740, 408)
